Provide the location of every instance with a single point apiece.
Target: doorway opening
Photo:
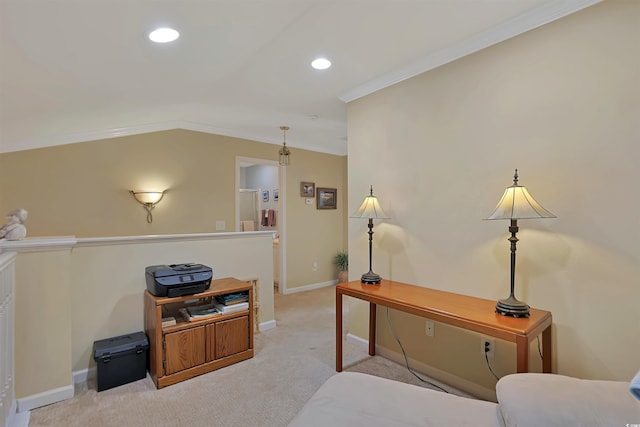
(260, 206)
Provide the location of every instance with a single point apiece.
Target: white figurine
(14, 229)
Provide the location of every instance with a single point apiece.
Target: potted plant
(341, 261)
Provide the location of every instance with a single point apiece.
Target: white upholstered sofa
(355, 399)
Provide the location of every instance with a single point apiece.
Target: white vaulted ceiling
(77, 70)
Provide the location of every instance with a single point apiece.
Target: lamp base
(370, 278)
(512, 307)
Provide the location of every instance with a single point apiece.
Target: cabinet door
(184, 349)
(210, 341)
(231, 337)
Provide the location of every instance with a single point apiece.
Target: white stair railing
(7, 340)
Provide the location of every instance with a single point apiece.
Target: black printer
(176, 280)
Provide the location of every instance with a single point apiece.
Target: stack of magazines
(235, 298)
(200, 312)
(232, 303)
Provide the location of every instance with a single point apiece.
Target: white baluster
(7, 341)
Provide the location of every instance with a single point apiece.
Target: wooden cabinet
(191, 348)
(185, 349)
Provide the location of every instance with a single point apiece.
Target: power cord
(486, 356)
(539, 351)
(406, 361)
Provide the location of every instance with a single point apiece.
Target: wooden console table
(474, 314)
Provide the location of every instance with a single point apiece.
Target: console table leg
(372, 329)
(338, 331)
(546, 351)
(522, 350)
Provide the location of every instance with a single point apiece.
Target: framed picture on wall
(327, 198)
(265, 196)
(307, 189)
(276, 195)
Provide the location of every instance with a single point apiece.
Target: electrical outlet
(487, 346)
(314, 266)
(430, 328)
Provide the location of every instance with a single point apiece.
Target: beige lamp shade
(517, 203)
(370, 208)
(150, 197)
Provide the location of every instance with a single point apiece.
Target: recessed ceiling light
(163, 35)
(321, 63)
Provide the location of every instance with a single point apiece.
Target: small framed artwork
(265, 196)
(307, 189)
(327, 198)
(276, 195)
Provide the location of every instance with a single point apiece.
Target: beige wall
(561, 104)
(70, 294)
(82, 190)
(107, 297)
(312, 234)
(43, 322)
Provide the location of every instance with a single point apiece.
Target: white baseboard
(19, 419)
(361, 342)
(265, 326)
(45, 398)
(84, 375)
(435, 373)
(310, 287)
(445, 377)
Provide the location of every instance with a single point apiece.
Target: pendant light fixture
(284, 151)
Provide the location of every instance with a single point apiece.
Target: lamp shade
(517, 203)
(148, 197)
(370, 208)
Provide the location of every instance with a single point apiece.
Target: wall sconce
(148, 199)
(284, 151)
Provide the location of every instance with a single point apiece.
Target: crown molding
(73, 138)
(549, 12)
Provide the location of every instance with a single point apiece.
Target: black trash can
(121, 360)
